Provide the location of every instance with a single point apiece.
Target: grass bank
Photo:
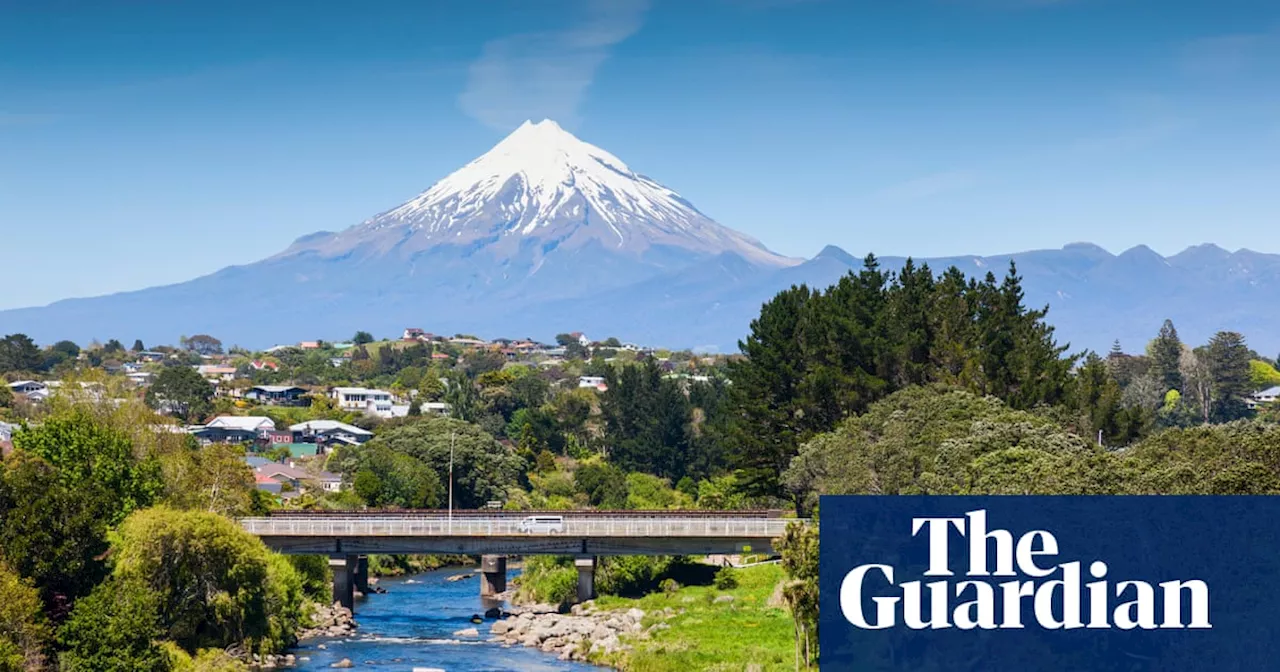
(706, 634)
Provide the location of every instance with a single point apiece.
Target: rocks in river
(329, 621)
(459, 577)
(467, 632)
(344, 663)
(493, 612)
(574, 636)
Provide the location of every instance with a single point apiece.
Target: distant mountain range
(546, 233)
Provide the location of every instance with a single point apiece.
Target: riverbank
(692, 628)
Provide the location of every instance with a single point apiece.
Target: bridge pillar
(493, 575)
(362, 575)
(586, 578)
(344, 580)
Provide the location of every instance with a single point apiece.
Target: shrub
(215, 584)
(726, 579)
(114, 629)
(669, 586)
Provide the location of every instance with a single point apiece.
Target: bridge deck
(373, 525)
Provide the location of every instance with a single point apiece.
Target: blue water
(412, 625)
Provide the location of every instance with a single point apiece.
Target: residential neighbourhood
(291, 406)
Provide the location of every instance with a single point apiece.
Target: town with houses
(250, 412)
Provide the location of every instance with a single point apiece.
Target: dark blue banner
(995, 584)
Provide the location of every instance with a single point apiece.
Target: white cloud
(546, 74)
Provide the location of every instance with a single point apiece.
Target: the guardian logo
(1039, 589)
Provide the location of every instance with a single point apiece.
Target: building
(151, 356)
(329, 431)
(1267, 396)
(253, 423)
(260, 364)
(33, 390)
(309, 345)
(233, 429)
(277, 395)
(217, 373)
(596, 382)
(373, 402)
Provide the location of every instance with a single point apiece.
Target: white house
(332, 428)
(1267, 396)
(31, 389)
(596, 382)
(247, 423)
(373, 402)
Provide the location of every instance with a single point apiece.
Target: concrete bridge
(348, 539)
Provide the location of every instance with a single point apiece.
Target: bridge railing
(370, 526)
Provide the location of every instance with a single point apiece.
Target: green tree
(138, 346)
(52, 533)
(1261, 375)
(460, 393)
(362, 338)
(604, 484)
(24, 634)
(181, 391)
(6, 396)
(114, 629)
(1228, 362)
(647, 421)
(1166, 357)
(384, 477)
(798, 548)
(203, 344)
(483, 469)
(87, 450)
(215, 584)
(19, 353)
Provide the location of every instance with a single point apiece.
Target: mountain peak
(541, 183)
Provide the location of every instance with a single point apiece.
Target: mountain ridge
(545, 233)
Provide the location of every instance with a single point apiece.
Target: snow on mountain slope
(542, 183)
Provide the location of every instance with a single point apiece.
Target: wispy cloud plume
(546, 74)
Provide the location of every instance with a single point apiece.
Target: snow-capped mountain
(546, 234)
(542, 183)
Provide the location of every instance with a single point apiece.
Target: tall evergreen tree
(766, 381)
(1166, 357)
(1228, 362)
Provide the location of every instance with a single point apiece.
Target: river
(412, 625)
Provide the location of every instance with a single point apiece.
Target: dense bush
(215, 584)
(114, 629)
(24, 635)
(726, 579)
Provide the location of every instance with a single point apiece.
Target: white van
(542, 525)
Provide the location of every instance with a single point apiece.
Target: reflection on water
(412, 625)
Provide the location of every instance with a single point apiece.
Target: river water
(412, 625)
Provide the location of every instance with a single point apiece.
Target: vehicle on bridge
(542, 525)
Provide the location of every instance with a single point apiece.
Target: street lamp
(452, 434)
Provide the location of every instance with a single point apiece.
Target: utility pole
(452, 434)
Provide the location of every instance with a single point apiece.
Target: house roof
(277, 388)
(1269, 392)
(329, 426)
(273, 469)
(254, 461)
(359, 390)
(248, 422)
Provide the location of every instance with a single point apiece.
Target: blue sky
(149, 141)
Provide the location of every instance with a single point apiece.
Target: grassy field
(709, 635)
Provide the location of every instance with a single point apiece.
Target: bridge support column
(493, 575)
(344, 580)
(362, 575)
(586, 578)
